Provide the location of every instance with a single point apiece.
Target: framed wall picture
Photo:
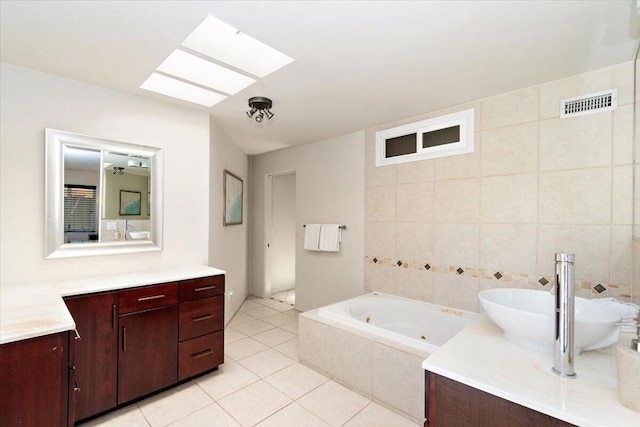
(232, 199)
(130, 202)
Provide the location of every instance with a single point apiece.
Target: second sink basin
(527, 318)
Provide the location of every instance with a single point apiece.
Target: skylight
(192, 68)
(224, 43)
(235, 55)
(181, 90)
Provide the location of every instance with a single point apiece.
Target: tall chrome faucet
(565, 315)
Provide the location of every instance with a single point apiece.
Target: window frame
(466, 145)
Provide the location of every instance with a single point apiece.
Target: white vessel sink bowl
(139, 235)
(527, 318)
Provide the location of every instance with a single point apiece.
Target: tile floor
(260, 384)
(286, 296)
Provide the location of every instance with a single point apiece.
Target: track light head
(262, 106)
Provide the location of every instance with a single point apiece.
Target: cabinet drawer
(203, 287)
(200, 354)
(201, 317)
(139, 299)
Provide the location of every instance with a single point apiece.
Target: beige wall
(329, 189)
(283, 236)
(32, 101)
(228, 245)
(535, 185)
(636, 187)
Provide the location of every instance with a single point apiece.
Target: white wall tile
(520, 106)
(509, 199)
(460, 166)
(457, 200)
(576, 142)
(380, 239)
(412, 172)
(414, 202)
(622, 197)
(621, 255)
(414, 284)
(414, 241)
(380, 203)
(623, 80)
(581, 196)
(380, 278)
(457, 244)
(623, 135)
(509, 247)
(458, 291)
(512, 149)
(590, 244)
(581, 84)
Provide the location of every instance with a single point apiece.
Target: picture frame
(130, 202)
(233, 199)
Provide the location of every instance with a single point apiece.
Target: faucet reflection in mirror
(83, 197)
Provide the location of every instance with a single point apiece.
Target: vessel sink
(139, 235)
(527, 318)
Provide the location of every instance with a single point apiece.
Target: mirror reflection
(106, 196)
(101, 196)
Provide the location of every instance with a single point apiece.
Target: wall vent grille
(589, 104)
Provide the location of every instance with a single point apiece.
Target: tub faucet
(564, 316)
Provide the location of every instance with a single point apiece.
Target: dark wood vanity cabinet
(201, 333)
(35, 378)
(449, 403)
(95, 353)
(137, 341)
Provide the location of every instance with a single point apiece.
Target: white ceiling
(357, 64)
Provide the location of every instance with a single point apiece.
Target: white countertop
(29, 311)
(481, 357)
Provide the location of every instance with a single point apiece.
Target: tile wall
(441, 230)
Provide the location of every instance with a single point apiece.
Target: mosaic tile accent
(599, 288)
(513, 279)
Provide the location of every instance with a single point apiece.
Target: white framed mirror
(102, 197)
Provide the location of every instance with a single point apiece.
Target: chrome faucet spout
(564, 316)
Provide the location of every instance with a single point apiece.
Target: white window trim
(464, 119)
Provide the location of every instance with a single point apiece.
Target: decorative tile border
(622, 291)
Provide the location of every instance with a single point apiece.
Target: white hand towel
(330, 236)
(311, 237)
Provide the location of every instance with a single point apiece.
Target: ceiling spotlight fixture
(118, 170)
(262, 106)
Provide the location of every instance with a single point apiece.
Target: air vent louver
(589, 104)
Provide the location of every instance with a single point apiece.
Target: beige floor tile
(266, 363)
(231, 335)
(292, 312)
(209, 416)
(228, 379)
(274, 337)
(291, 327)
(249, 305)
(293, 415)
(375, 415)
(253, 327)
(334, 403)
(254, 403)
(174, 404)
(290, 348)
(261, 312)
(131, 416)
(276, 305)
(296, 380)
(244, 348)
(279, 319)
(240, 318)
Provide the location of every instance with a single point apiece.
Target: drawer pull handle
(114, 316)
(149, 298)
(206, 288)
(124, 339)
(201, 318)
(205, 353)
(77, 386)
(77, 337)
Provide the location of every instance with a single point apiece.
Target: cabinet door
(95, 353)
(148, 352)
(34, 381)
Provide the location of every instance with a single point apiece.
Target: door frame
(268, 227)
